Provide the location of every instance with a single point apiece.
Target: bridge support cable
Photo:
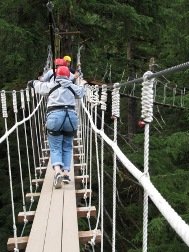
(115, 115)
(165, 88)
(96, 103)
(147, 116)
(15, 109)
(103, 109)
(86, 151)
(169, 96)
(40, 127)
(26, 138)
(86, 134)
(5, 116)
(173, 69)
(90, 164)
(52, 28)
(175, 221)
(16, 128)
(28, 98)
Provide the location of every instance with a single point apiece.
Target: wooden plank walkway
(55, 226)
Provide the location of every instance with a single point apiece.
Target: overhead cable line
(154, 75)
(53, 30)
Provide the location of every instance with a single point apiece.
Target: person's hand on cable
(76, 75)
(30, 83)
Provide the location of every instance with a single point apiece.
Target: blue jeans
(61, 146)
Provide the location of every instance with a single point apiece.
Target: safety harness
(66, 108)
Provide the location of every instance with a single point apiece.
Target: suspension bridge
(51, 218)
(46, 219)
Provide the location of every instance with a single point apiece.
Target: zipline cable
(157, 74)
(52, 28)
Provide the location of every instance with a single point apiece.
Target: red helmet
(64, 63)
(63, 71)
(59, 62)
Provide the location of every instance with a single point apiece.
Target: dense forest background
(125, 35)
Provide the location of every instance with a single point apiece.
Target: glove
(30, 83)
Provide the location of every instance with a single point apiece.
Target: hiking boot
(66, 179)
(57, 181)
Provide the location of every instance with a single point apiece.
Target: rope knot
(103, 97)
(4, 104)
(147, 98)
(14, 101)
(116, 101)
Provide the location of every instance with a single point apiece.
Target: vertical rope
(31, 134)
(5, 116)
(43, 112)
(36, 132)
(147, 115)
(39, 129)
(87, 139)
(115, 115)
(26, 137)
(15, 109)
(103, 108)
(98, 166)
(90, 165)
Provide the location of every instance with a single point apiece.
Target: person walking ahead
(61, 120)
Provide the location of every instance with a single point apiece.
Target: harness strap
(63, 132)
(59, 85)
(54, 88)
(52, 75)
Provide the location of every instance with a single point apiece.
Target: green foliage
(23, 49)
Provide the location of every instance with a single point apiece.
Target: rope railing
(173, 69)
(166, 210)
(21, 123)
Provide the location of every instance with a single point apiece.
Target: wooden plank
(83, 211)
(77, 139)
(78, 146)
(80, 193)
(21, 241)
(53, 239)
(41, 169)
(79, 165)
(81, 179)
(35, 196)
(70, 240)
(86, 236)
(38, 181)
(44, 158)
(29, 216)
(79, 155)
(46, 150)
(38, 230)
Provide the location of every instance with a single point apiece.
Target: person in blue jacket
(61, 120)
